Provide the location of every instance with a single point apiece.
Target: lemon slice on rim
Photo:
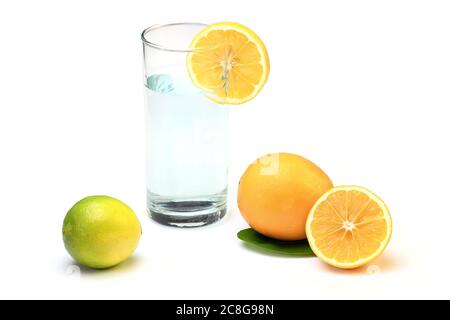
(348, 227)
(229, 62)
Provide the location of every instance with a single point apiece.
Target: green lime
(100, 232)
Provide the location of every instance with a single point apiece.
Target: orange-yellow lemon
(277, 192)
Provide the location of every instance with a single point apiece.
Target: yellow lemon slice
(229, 62)
(349, 227)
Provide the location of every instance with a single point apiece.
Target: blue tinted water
(186, 137)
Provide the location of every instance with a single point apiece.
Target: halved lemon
(348, 227)
(229, 62)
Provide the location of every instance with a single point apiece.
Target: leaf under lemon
(289, 248)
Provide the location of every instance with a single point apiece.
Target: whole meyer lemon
(276, 193)
(100, 232)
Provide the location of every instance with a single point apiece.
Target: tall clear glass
(186, 134)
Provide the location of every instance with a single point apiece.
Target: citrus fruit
(348, 227)
(100, 232)
(277, 192)
(229, 62)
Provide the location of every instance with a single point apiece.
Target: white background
(362, 88)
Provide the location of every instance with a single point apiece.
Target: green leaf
(289, 248)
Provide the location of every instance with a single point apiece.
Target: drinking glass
(186, 134)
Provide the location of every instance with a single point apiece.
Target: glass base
(187, 213)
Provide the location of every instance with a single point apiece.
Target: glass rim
(160, 26)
